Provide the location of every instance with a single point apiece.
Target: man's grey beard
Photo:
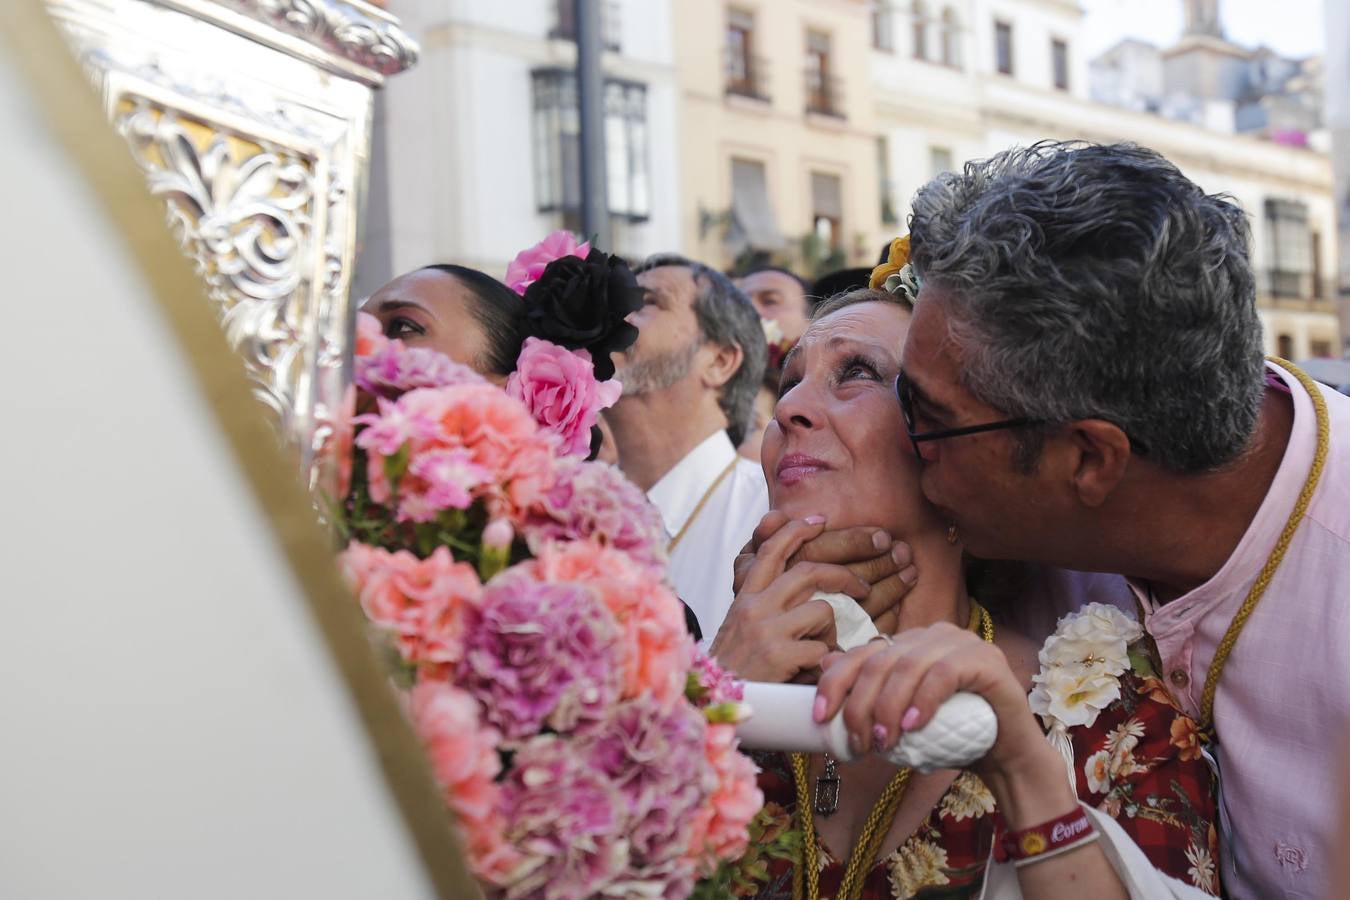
(648, 375)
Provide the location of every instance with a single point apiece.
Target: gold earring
(952, 536)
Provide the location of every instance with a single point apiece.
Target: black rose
(582, 304)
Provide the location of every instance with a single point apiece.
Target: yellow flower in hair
(898, 259)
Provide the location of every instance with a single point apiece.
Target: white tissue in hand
(852, 625)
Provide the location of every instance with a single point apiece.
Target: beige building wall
(926, 109)
(718, 126)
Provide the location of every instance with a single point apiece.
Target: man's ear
(1103, 454)
(721, 363)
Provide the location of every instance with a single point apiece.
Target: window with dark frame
(883, 26)
(742, 69)
(1059, 54)
(951, 39)
(1289, 246)
(821, 85)
(1284, 346)
(885, 189)
(919, 28)
(565, 22)
(827, 209)
(557, 147)
(1003, 48)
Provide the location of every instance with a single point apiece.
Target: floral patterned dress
(1135, 756)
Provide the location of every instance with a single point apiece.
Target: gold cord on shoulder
(702, 502)
(1258, 589)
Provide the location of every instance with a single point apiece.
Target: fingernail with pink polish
(814, 520)
(818, 711)
(910, 717)
(880, 737)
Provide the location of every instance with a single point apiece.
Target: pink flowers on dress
(530, 263)
(559, 389)
(581, 746)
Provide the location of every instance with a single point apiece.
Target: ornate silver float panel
(251, 121)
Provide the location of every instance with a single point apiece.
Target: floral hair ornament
(577, 300)
(581, 303)
(896, 275)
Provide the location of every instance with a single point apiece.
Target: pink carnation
(660, 650)
(421, 601)
(722, 829)
(567, 820)
(653, 753)
(530, 263)
(449, 477)
(558, 387)
(716, 685)
(369, 335)
(595, 501)
(537, 653)
(464, 759)
(506, 459)
(334, 457)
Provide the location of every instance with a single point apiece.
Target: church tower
(1202, 18)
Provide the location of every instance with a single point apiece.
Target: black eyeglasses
(905, 392)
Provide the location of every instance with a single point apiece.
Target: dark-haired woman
(469, 316)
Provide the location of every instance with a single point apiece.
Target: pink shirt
(1284, 695)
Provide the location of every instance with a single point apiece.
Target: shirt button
(1180, 678)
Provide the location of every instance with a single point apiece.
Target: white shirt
(701, 564)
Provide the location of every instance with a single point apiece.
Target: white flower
(917, 864)
(967, 798)
(1081, 664)
(1125, 736)
(1074, 695)
(1097, 768)
(1202, 869)
(772, 332)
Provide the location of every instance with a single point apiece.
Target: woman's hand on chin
(887, 689)
(868, 552)
(774, 631)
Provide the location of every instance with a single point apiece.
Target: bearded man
(689, 386)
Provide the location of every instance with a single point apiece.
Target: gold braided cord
(1206, 724)
(806, 879)
(698, 507)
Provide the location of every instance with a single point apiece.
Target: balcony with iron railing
(747, 75)
(1297, 290)
(824, 95)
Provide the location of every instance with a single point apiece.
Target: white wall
(459, 131)
(173, 727)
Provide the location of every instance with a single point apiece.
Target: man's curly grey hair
(1097, 281)
(727, 318)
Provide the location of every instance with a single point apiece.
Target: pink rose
(558, 387)
(530, 263)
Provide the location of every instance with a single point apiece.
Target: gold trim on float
(74, 114)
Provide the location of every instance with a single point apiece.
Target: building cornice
(1181, 142)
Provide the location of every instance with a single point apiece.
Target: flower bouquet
(584, 745)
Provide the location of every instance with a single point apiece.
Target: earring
(952, 536)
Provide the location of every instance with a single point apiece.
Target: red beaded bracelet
(1047, 839)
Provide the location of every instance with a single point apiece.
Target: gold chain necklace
(806, 878)
(698, 507)
(1206, 724)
